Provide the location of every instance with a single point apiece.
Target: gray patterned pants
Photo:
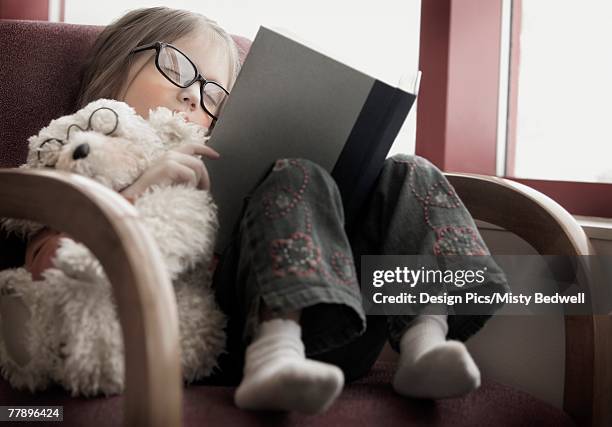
(291, 250)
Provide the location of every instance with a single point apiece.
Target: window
(469, 102)
(562, 77)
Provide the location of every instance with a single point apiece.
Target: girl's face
(146, 88)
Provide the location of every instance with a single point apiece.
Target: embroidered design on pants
(453, 240)
(450, 239)
(281, 200)
(296, 255)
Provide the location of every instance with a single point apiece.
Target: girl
(297, 327)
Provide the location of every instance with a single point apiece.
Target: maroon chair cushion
(367, 402)
(41, 68)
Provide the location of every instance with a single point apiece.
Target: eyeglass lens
(176, 66)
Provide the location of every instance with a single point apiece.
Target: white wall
(527, 352)
(380, 38)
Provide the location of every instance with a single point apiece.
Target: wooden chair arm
(524, 211)
(551, 230)
(109, 226)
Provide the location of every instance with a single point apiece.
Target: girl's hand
(178, 166)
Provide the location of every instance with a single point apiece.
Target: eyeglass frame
(198, 78)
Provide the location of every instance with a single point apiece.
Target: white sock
(277, 375)
(431, 367)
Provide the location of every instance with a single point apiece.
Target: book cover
(293, 101)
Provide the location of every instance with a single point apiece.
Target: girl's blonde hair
(109, 60)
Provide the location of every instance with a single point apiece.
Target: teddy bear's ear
(22, 228)
(33, 146)
(50, 151)
(173, 129)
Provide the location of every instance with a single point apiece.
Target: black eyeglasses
(175, 66)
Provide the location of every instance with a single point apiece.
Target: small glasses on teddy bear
(99, 120)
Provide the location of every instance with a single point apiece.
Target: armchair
(41, 67)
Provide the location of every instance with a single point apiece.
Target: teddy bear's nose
(80, 152)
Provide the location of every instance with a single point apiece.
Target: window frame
(460, 44)
(34, 10)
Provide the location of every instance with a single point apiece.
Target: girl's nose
(190, 96)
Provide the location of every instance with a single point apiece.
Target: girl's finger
(200, 169)
(204, 181)
(193, 149)
(188, 175)
(191, 162)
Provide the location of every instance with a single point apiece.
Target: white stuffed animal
(73, 335)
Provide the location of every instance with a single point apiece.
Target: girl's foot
(277, 375)
(431, 367)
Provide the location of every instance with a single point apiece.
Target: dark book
(292, 101)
